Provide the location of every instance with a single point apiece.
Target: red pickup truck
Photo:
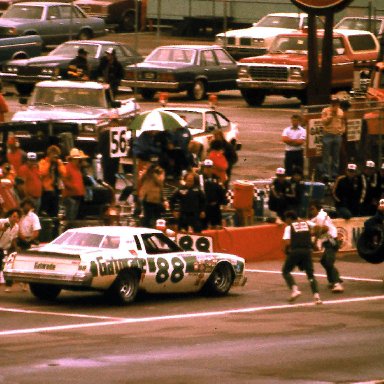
(284, 69)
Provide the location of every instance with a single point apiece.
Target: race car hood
(39, 61)
(56, 113)
(279, 59)
(256, 32)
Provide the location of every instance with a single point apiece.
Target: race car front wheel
(124, 289)
(44, 291)
(220, 281)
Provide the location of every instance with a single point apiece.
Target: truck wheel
(24, 89)
(44, 291)
(125, 287)
(198, 91)
(370, 246)
(127, 23)
(253, 97)
(220, 281)
(147, 94)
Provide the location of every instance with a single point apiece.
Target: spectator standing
(111, 70)
(280, 187)
(3, 106)
(220, 163)
(294, 138)
(333, 129)
(78, 68)
(15, 155)
(326, 233)
(151, 195)
(9, 230)
(30, 174)
(29, 225)
(74, 189)
(188, 204)
(348, 193)
(371, 185)
(52, 171)
(298, 248)
(215, 196)
(229, 152)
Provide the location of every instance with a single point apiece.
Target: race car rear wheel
(370, 245)
(220, 281)
(44, 291)
(125, 287)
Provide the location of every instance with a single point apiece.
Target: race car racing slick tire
(125, 287)
(253, 97)
(220, 281)
(370, 246)
(44, 291)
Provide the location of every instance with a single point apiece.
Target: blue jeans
(331, 154)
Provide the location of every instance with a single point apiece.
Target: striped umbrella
(157, 121)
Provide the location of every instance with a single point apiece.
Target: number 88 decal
(162, 267)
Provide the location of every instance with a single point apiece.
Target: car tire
(253, 97)
(370, 250)
(127, 23)
(220, 281)
(24, 89)
(147, 94)
(85, 34)
(125, 287)
(303, 97)
(199, 90)
(45, 291)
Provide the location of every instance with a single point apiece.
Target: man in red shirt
(15, 155)
(29, 172)
(74, 189)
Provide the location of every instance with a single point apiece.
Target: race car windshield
(159, 243)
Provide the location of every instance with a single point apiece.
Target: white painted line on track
(183, 316)
(316, 274)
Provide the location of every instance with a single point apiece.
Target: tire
(125, 287)
(45, 291)
(127, 23)
(253, 97)
(220, 281)
(24, 89)
(370, 250)
(199, 90)
(147, 94)
(85, 34)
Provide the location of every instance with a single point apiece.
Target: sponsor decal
(46, 266)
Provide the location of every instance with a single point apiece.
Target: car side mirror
(116, 104)
(23, 100)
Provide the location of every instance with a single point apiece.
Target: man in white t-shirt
(294, 138)
(29, 225)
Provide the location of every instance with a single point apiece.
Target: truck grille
(268, 73)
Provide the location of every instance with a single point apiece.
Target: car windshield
(69, 96)
(360, 24)
(23, 12)
(79, 239)
(159, 243)
(279, 22)
(299, 45)
(175, 55)
(70, 50)
(194, 119)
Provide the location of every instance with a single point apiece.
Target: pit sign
(118, 142)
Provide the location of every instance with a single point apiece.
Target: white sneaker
(317, 299)
(337, 288)
(294, 295)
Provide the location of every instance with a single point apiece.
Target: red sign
(321, 5)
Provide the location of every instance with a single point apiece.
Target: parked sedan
(25, 73)
(55, 22)
(197, 69)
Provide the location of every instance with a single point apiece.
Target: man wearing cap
(333, 120)
(32, 187)
(74, 189)
(214, 195)
(280, 187)
(371, 185)
(78, 68)
(348, 193)
(294, 138)
(110, 70)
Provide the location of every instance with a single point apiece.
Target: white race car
(120, 261)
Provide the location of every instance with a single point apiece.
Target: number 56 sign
(119, 141)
